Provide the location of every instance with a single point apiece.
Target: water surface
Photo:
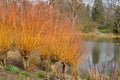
(102, 56)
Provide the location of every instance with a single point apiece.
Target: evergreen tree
(98, 12)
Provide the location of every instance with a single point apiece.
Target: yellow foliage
(26, 41)
(5, 39)
(5, 42)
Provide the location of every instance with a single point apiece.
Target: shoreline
(102, 37)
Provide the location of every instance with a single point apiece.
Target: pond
(102, 56)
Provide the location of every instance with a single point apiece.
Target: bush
(106, 30)
(24, 73)
(12, 68)
(108, 27)
(38, 27)
(51, 75)
(41, 74)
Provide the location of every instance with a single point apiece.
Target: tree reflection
(95, 53)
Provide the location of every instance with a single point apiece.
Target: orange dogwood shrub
(40, 27)
(5, 42)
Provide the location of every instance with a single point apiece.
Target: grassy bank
(11, 72)
(14, 73)
(102, 37)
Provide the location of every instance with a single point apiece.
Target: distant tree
(117, 20)
(88, 10)
(76, 10)
(113, 7)
(98, 12)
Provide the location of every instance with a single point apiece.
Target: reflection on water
(117, 52)
(101, 54)
(95, 54)
(116, 41)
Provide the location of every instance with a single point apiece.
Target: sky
(85, 1)
(90, 2)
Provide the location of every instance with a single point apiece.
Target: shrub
(5, 42)
(41, 75)
(26, 42)
(24, 73)
(12, 68)
(39, 27)
(106, 30)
